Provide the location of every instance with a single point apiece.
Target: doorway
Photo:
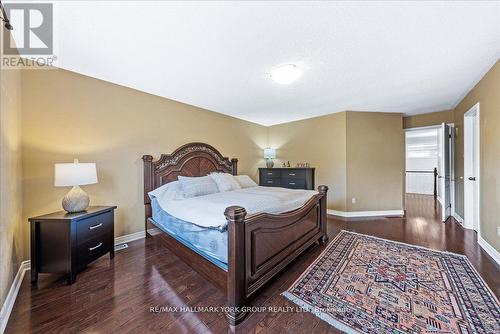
(471, 169)
(430, 168)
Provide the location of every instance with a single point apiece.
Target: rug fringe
(322, 315)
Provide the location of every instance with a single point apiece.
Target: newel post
(323, 217)
(236, 280)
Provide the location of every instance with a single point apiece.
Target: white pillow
(225, 181)
(197, 186)
(245, 181)
(168, 191)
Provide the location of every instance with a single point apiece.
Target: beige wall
(320, 141)
(433, 118)
(11, 225)
(357, 154)
(487, 93)
(67, 115)
(375, 161)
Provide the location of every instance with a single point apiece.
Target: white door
(471, 168)
(445, 172)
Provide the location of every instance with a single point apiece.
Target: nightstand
(64, 242)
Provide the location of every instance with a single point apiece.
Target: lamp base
(76, 200)
(269, 163)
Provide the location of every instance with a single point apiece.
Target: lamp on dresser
(75, 174)
(269, 155)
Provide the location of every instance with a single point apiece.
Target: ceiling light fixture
(285, 74)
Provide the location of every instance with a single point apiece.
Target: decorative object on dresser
(293, 178)
(269, 155)
(75, 174)
(259, 246)
(66, 242)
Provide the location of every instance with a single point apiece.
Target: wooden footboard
(261, 245)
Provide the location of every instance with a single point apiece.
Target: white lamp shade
(269, 153)
(74, 174)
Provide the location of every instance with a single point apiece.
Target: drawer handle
(291, 183)
(271, 173)
(95, 247)
(291, 174)
(95, 226)
(269, 181)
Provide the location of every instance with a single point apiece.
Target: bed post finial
(148, 186)
(236, 284)
(322, 210)
(234, 166)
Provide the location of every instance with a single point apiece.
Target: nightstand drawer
(271, 182)
(293, 174)
(293, 183)
(270, 173)
(94, 226)
(93, 249)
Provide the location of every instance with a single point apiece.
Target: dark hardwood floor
(117, 296)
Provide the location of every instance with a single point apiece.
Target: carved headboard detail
(193, 159)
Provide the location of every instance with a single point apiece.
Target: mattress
(208, 242)
(208, 210)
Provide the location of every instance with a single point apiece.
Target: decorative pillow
(197, 186)
(245, 181)
(225, 181)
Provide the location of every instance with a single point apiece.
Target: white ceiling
(412, 57)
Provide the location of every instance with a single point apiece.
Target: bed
(241, 258)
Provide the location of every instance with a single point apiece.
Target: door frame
(452, 159)
(472, 155)
(447, 139)
(452, 167)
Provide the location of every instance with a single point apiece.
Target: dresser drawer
(270, 173)
(293, 183)
(271, 182)
(94, 226)
(94, 248)
(293, 174)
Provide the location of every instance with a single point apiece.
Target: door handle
(472, 178)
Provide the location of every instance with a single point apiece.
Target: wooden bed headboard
(193, 159)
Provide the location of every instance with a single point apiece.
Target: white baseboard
(130, 237)
(354, 214)
(489, 249)
(10, 300)
(440, 200)
(458, 218)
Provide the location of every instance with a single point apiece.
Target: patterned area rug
(364, 284)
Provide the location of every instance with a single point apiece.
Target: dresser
(293, 178)
(65, 243)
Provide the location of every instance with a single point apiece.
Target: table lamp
(269, 155)
(75, 174)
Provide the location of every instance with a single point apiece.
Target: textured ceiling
(412, 57)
